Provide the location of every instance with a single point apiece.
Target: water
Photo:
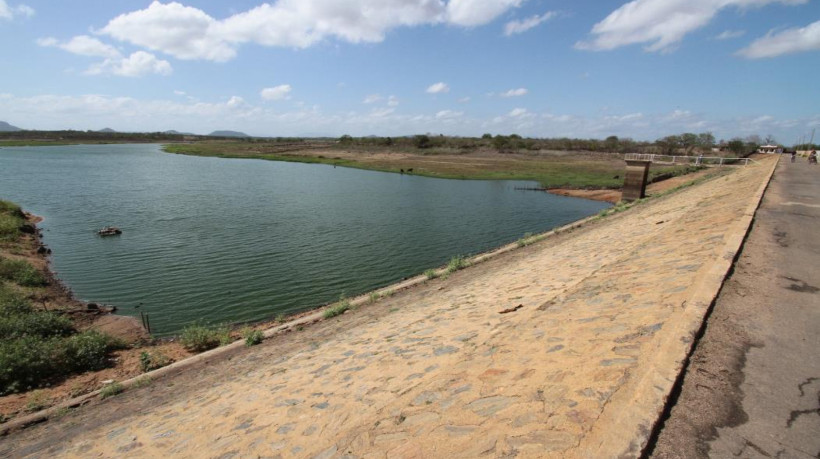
(231, 240)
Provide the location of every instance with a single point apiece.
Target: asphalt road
(752, 388)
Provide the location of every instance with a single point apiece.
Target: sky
(537, 68)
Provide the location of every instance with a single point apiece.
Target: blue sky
(539, 68)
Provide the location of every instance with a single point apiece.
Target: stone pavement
(582, 369)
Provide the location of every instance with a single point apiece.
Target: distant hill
(228, 134)
(174, 132)
(6, 127)
(107, 130)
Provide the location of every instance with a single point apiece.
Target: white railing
(708, 161)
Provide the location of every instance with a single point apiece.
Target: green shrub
(337, 309)
(85, 351)
(110, 390)
(150, 361)
(431, 273)
(21, 272)
(456, 263)
(42, 324)
(11, 219)
(36, 401)
(198, 338)
(252, 337)
(12, 303)
(25, 363)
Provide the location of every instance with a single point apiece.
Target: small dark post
(637, 173)
(148, 323)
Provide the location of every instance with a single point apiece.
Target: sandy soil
(614, 196)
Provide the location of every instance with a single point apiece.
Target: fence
(707, 161)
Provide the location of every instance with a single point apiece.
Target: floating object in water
(109, 231)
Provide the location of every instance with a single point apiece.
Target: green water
(231, 240)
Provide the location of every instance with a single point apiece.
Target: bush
(198, 338)
(21, 272)
(85, 351)
(110, 390)
(150, 361)
(456, 263)
(12, 303)
(252, 337)
(41, 324)
(25, 363)
(11, 219)
(431, 273)
(338, 309)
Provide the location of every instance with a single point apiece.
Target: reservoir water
(230, 240)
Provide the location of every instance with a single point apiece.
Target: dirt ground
(614, 196)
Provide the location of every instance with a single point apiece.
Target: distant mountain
(6, 127)
(173, 132)
(228, 134)
(107, 130)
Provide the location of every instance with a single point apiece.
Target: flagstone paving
(582, 369)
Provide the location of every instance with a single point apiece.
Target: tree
(423, 141)
(611, 143)
(770, 140)
(706, 140)
(345, 139)
(737, 146)
(487, 136)
(688, 141)
(668, 144)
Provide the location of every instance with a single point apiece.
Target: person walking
(813, 157)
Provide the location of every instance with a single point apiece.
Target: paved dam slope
(595, 326)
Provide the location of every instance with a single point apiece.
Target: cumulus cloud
(784, 42)
(277, 92)
(661, 24)
(82, 45)
(729, 34)
(190, 33)
(471, 13)
(448, 114)
(372, 99)
(518, 113)
(137, 64)
(514, 92)
(438, 88)
(9, 12)
(516, 27)
(393, 101)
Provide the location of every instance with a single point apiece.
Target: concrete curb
(236, 347)
(627, 433)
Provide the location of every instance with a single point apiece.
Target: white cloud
(372, 99)
(137, 64)
(729, 34)
(190, 33)
(784, 42)
(448, 114)
(82, 45)
(514, 92)
(661, 24)
(518, 113)
(179, 93)
(181, 31)
(235, 101)
(277, 92)
(464, 100)
(472, 13)
(438, 88)
(516, 27)
(9, 12)
(393, 101)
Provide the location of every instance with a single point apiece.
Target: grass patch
(198, 337)
(456, 263)
(21, 272)
(37, 400)
(11, 219)
(431, 273)
(526, 240)
(110, 390)
(150, 361)
(337, 309)
(374, 297)
(252, 337)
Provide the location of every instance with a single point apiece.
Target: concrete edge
(237, 346)
(636, 427)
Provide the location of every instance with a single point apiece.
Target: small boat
(109, 231)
